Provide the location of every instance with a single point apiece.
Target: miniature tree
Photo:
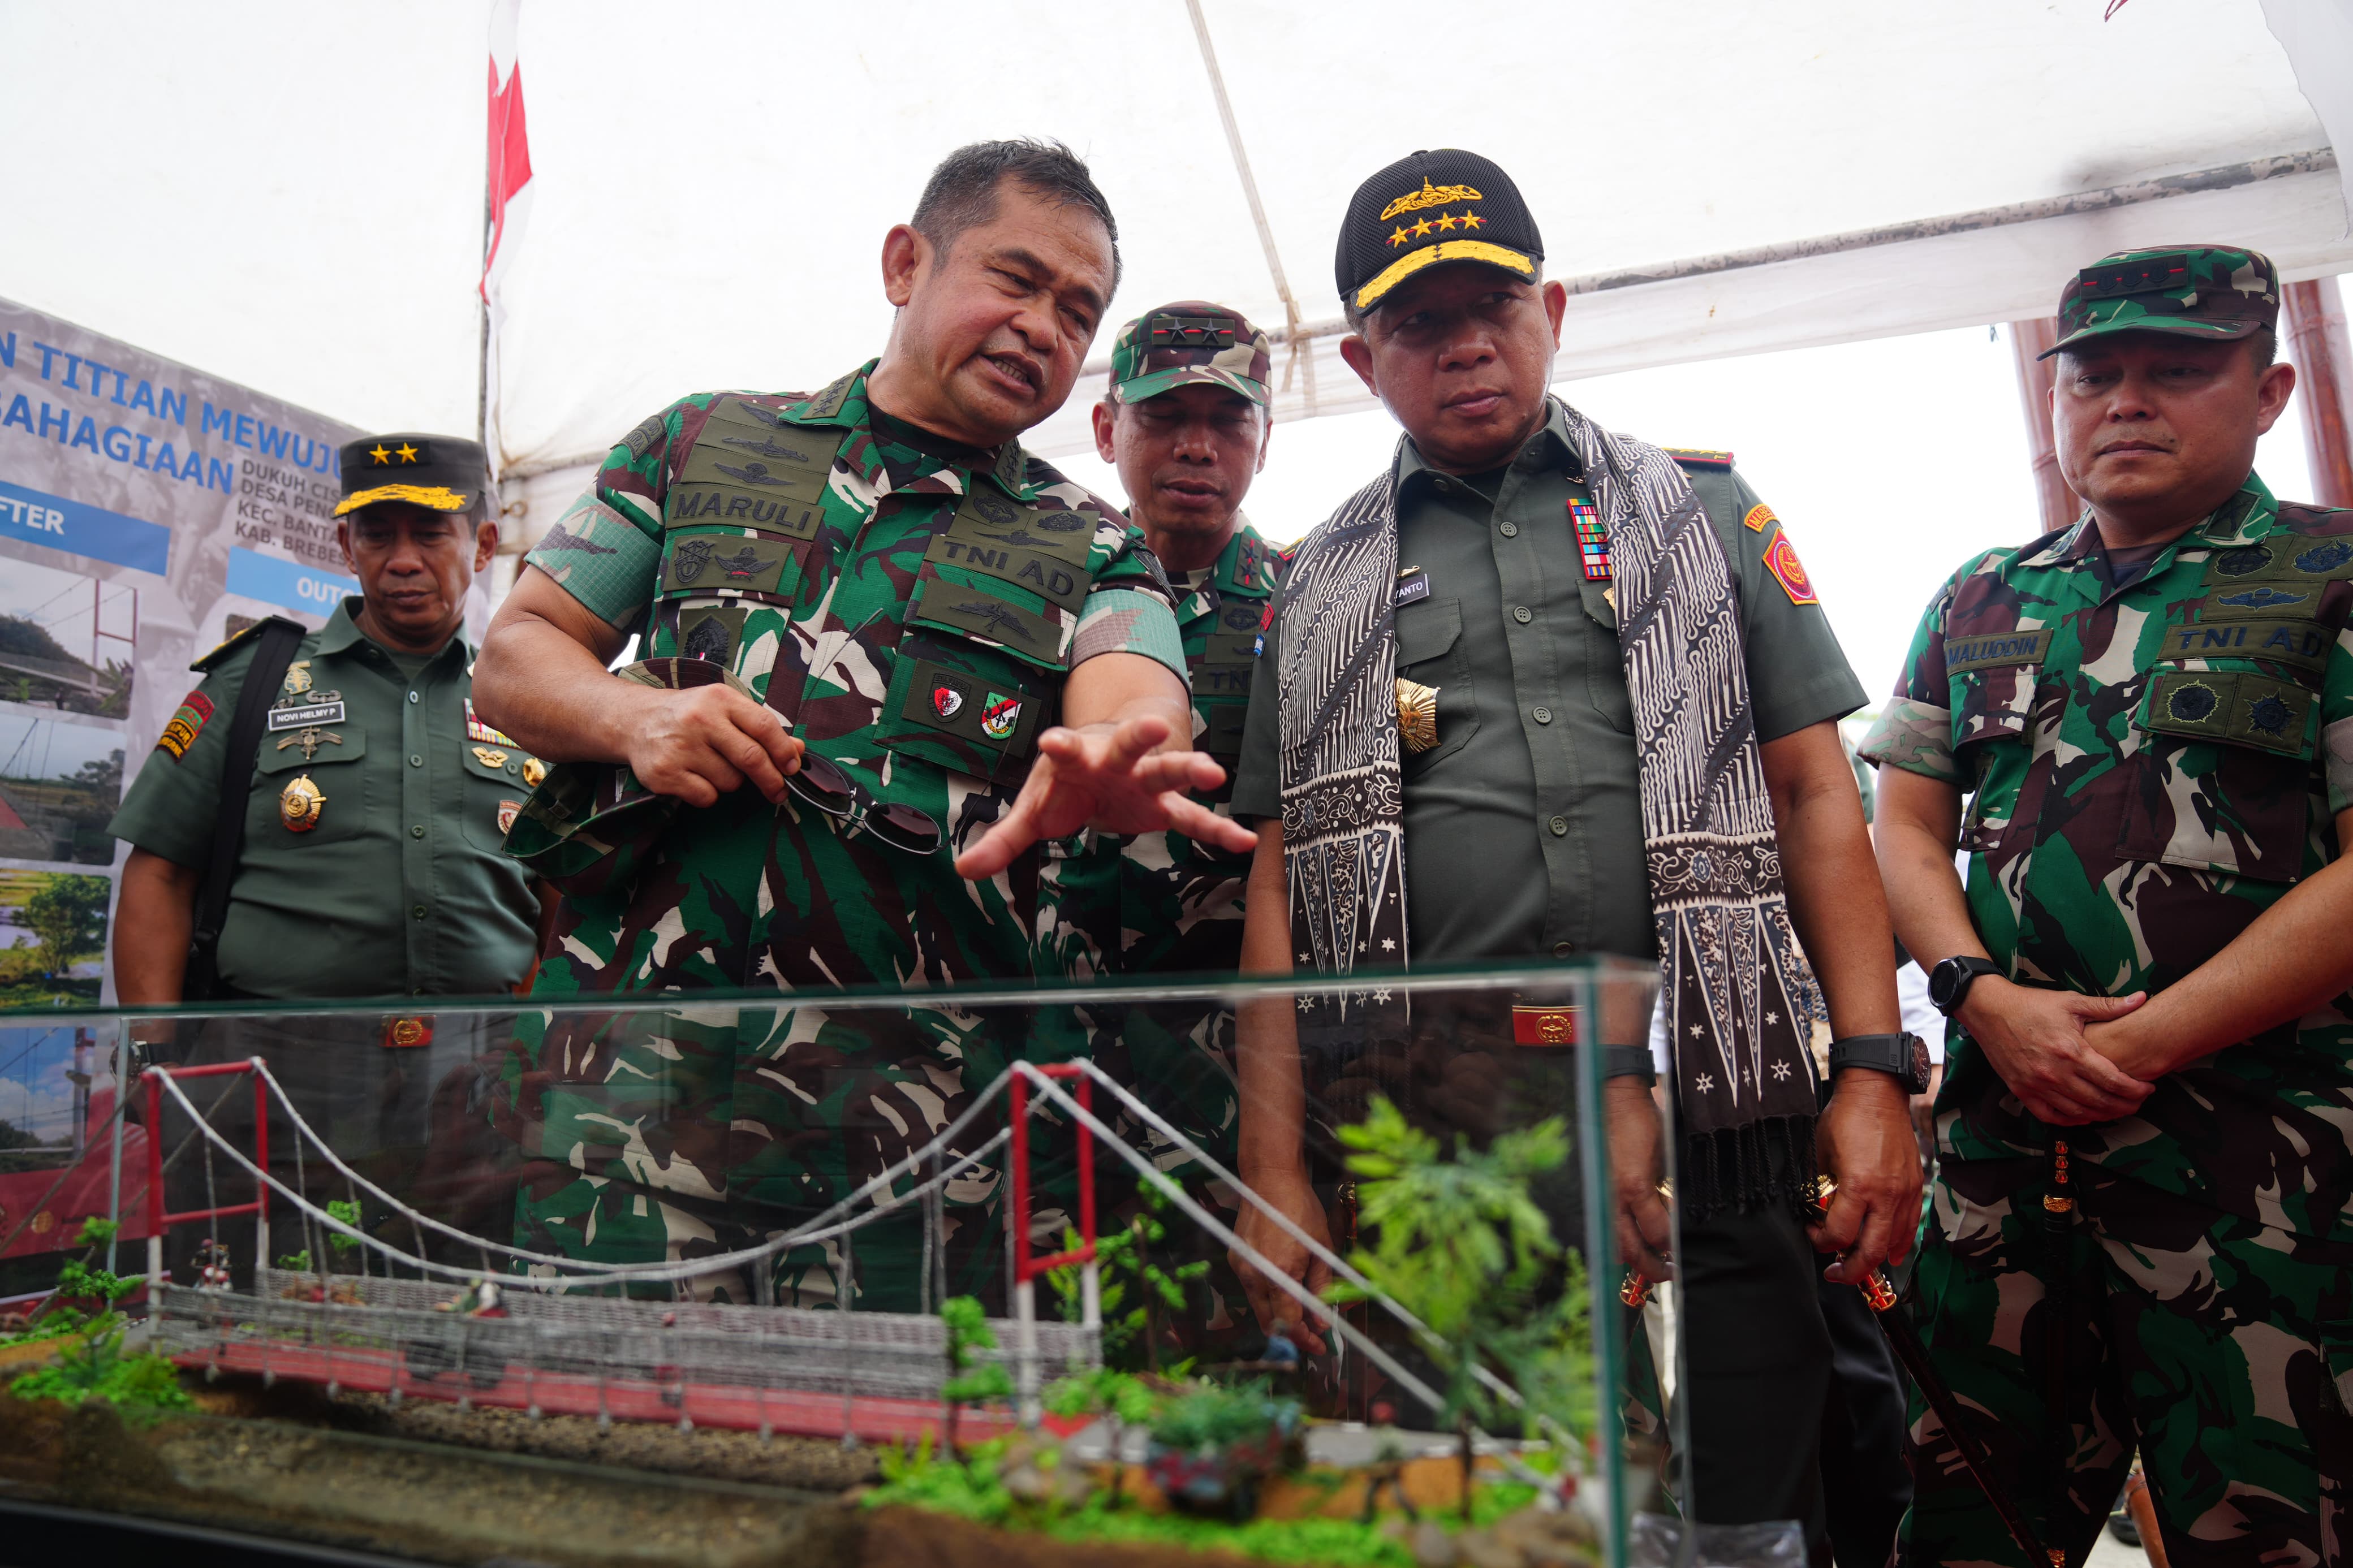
(1462, 1247)
(348, 1212)
(96, 1364)
(1118, 1253)
(1120, 1398)
(970, 1379)
(78, 1282)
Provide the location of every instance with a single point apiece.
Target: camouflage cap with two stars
(1191, 343)
(441, 473)
(1429, 207)
(2193, 291)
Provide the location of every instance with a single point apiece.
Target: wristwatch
(1949, 982)
(1904, 1057)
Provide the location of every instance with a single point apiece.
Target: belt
(1532, 1026)
(405, 1034)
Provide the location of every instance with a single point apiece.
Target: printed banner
(147, 510)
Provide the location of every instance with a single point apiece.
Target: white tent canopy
(291, 194)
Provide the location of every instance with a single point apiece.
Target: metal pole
(2324, 363)
(2055, 504)
(114, 1156)
(1025, 1311)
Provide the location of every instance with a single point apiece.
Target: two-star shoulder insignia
(1695, 458)
(213, 659)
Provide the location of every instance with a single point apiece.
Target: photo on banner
(67, 640)
(52, 937)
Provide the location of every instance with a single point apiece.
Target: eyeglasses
(823, 785)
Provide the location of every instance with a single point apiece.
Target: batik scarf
(1738, 993)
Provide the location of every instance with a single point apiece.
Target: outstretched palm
(1107, 776)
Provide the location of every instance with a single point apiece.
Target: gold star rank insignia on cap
(1471, 220)
(1421, 228)
(1400, 237)
(1447, 220)
(379, 454)
(408, 453)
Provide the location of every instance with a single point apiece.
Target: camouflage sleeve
(1127, 620)
(1914, 730)
(2337, 722)
(606, 549)
(1131, 608)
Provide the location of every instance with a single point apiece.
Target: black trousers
(1792, 1398)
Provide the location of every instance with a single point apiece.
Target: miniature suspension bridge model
(540, 1333)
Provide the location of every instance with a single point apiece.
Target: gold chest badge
(299, 804)
(489, 756)
(1417, 714)
(533, 770)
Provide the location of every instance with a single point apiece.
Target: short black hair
(2266, 342)
(962, 191)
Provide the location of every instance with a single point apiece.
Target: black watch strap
(1949, 982)
(1903, 1056)
(1628, 1061)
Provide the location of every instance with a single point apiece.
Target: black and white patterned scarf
(1738, 991)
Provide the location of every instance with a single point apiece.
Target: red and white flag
(506, 190)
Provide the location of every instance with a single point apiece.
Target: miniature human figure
(478, 1299)
(212, 1266)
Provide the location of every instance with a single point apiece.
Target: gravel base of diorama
(421, 1500)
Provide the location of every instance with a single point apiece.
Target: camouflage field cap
(2196, 291)
(1187, 343)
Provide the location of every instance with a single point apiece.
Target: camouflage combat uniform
(1162, 903)
(912, 609)
(2153, 760)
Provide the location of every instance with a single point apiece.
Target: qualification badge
(491, 757)
(533, 770)
(1417, 714)
(508, 811)
(299, 804)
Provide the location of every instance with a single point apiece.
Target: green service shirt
(1535, 761)
(401, 885)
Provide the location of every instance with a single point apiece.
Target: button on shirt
(403, 886)
(1535, 761)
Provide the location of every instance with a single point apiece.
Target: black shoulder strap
(274, 651)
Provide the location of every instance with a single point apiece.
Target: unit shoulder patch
(229, 646)
(1691, 456)
(186, 724)
(1781, 560)
(1758, 518)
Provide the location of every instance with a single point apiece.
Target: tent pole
(2317, 344)
(2055, 504)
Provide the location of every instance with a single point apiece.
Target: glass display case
(1299, 1271)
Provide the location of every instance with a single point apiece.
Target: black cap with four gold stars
(1429, 207)
(445, 473)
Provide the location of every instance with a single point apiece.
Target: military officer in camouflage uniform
(2143, 1224)
(880, 635)
(1186, 422)
(373, 862)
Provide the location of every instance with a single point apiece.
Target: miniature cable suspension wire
(817, 1230)
(906, 1166)
(1324, 1312)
